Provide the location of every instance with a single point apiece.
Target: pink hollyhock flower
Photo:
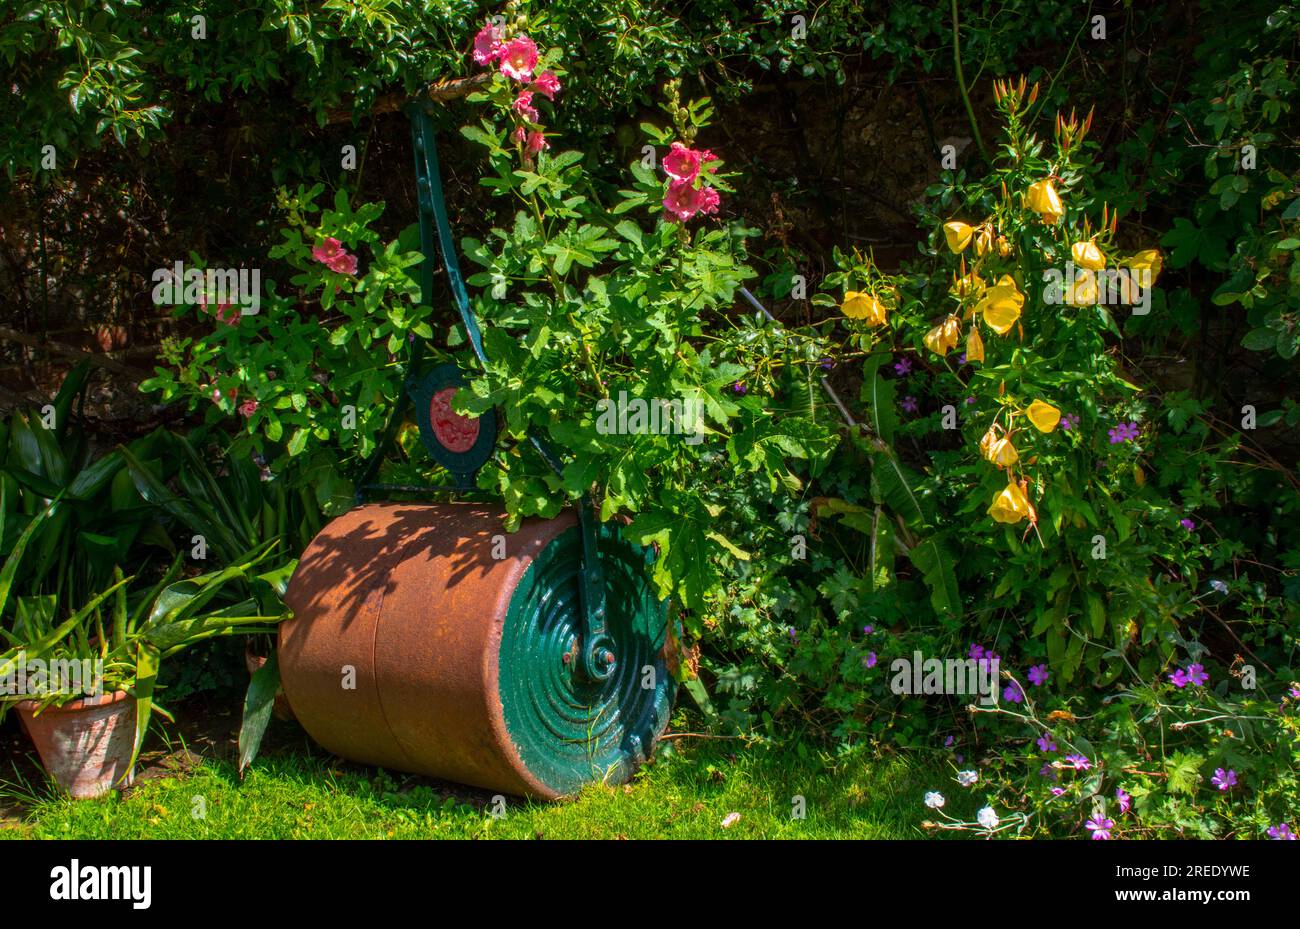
(536, 142)
(247, 408)
(684, 200)
(547, 84)
(520, 135)
(683, 164)
(487, 45)
(523, 105)
(519, 58)
(333, 256)
(225, 312)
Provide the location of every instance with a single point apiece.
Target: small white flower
(987, 818)
(1220, 586)
(967, 778)
(730, 820)
(934, 799)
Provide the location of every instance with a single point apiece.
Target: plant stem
(961, 85)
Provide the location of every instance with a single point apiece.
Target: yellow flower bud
(1004, 247)
(1044, 201)
(864, 306)
(958, 235)
(1001, 305)
(970, 284)
(1010, 506)
(974, 345)
(1088, 255)
(1043, 415)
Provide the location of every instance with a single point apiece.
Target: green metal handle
(598, 659)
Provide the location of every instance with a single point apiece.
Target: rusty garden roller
(426, 639)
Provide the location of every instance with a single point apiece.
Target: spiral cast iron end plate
(567, 730)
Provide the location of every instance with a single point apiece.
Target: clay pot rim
(73, 706)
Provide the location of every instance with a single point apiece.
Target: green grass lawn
(297, 791)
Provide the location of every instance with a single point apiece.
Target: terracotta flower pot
(85, 744)
(280, 708)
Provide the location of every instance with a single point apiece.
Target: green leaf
(258, 704)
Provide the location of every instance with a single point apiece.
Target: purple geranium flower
(1069, 421)
(1048, 771)
(870, 660)
(903, 366)
(910, 405)
(976, 651)
(1100, 826)
(740, 388)
(1196, 675)
(961, 360)
(1057, 791)
(1178, 678)
(970, 400)
(868, 629)
(1281, 832)
(1125, 801)
(1038, 675)
(1078, 762)
(1012, 693)
(947, 743)
(1224, 780)
(1045, 743)
(1124, 432)
(1187, 524)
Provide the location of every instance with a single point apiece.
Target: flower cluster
(334, 256)
(688, 192)
(516, 57)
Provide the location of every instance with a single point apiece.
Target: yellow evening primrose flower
(1148, 260)
(864, 306)
(1043, 415)
(1001, 305)
(943, 338)
(1088, 255)
(1044, 201)
(1083, 290)
(958, 235)
(1010, 506)
(998, 449)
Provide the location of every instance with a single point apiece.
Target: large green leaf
(935, 563)
(258, 703)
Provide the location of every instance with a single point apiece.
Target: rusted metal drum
(425, 638)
